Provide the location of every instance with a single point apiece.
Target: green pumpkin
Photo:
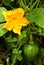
(31, 51)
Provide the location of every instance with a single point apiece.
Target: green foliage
(21, 2)
(21, 39)
(38, 61)
(2, 19)
(37, 16)
(2, 30)
(6, 2)
(11, 39)
(16, 55)
(29, 46)
(42, 52)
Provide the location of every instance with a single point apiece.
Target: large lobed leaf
(37, 16)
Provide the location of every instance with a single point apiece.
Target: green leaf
(23, 35)
(6, 2)
(16, 55)
(2, 30)
(37, 16)
(2, 19)
(42, 51)
(19, 57)
(38, 61)
(15, 51)
(2, 9)
(11, 39)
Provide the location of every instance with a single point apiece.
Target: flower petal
(23, 21)
(8, 26)
(19, 12)
(8, 15)
(17, 29)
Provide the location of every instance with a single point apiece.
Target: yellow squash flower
(15, 20)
